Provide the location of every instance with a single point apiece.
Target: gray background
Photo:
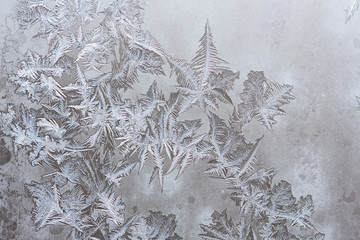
(316, 146)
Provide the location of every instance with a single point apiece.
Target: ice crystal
(92, 137)
(351, 9)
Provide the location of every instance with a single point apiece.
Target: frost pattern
(92, 137)
(206, 80)
(351, 9)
